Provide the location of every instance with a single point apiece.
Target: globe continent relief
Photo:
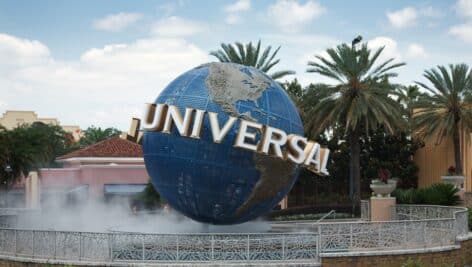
(218, 183)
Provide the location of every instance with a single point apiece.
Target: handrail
(326, 215)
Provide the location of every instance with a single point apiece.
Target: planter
(382, 189)
(456, 180)
(393, 181)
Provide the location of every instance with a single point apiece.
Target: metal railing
(333, 212)
(365, 210)
(412, 227)
(108, 247)
(431, 212)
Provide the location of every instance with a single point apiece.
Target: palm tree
(447, 108)
(250, 55)
(360, 99)
(94, 135)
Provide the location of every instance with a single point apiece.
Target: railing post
(212, 247)
(80, 246)
(247, 249)
(32, 244)
(143, 248)
(110, 245)
(404, 233)
(318, 247)
(320, 240)
(283, 247)
(350, 236)
(55, 245)
(424, 233)
(177, 248)
(16, 243)
(380, 235)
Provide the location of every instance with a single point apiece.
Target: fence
(432, 212)
(414, 226)
(107, 247)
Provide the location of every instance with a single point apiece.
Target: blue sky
(97, 62)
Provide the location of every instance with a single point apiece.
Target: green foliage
(413, 263)
(317, 216)
(361, 97)
(94, 135)
(392, 152)
(437, 194)
(251, 55)
(360, 101)
(294, 89)
(447, 107)
(378, 150)
(408, 96)
(149, 198)
(29, 147)
(447, 102)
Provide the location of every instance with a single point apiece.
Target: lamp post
(355, 41)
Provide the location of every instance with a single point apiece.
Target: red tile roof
(112, 147)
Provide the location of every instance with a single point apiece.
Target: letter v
(219, 134)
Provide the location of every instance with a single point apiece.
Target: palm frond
(250, 55)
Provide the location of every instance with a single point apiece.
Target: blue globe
(217, 183)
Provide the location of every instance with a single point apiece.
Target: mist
(117, 216)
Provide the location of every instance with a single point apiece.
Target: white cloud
(234, 11)
(403, 18)
(462, 32)
(291, 16)
(464, 8)
(416, 51)
(296, 50)
(390, 50)
(238, 6)
(16, 51)
(106, 86)
(116, 22)
(431, 12)
(233, 19)
(177, 26)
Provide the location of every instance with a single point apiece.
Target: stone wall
(452, 257)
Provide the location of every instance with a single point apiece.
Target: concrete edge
(389, 252)
(174, 264)
(465, 237)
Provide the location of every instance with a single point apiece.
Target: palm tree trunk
(457, 148)
(354, 166)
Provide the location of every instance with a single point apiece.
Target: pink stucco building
(113, 168)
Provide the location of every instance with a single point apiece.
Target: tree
(29, 147)
(149, 198)
(447, 108)
(94, 135)
(250, 55)
(294, 89)
(359, 101)
(408, 96)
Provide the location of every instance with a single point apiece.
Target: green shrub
(437, 194)
(412, 263)
(298, 217)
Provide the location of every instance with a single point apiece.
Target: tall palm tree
(448, 107)
(408, 96)
(360, 99)
(250, 55)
